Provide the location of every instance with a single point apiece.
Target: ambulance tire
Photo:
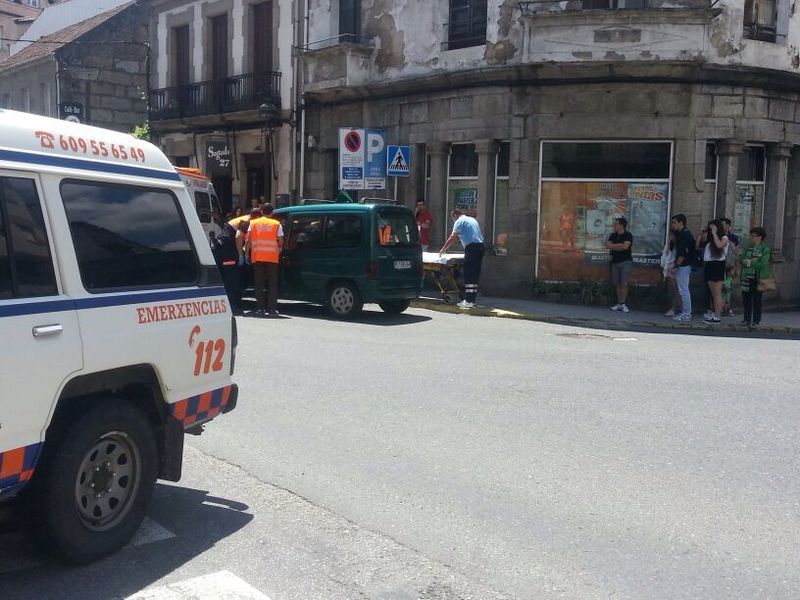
(394, 307)
(344, 301)
(65, 516)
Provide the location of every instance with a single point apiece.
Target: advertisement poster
(647, 220)
(605, 201)
(749, 200)
(466, 200)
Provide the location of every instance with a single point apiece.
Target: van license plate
(402, 264)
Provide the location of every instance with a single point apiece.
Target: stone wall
(689, 115)
(107, 73)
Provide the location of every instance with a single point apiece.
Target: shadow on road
(196, 521)
(371, 316)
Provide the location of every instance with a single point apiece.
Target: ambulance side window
(26, 266)
(128, 236)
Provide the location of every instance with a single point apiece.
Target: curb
(486, 311)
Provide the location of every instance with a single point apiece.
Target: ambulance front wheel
(93, 484)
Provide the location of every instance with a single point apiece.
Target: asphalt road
(446, 456)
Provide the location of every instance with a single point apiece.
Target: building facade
(94, 71)
(549, 118)
(222, 94)
(15, 18)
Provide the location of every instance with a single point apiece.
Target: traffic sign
(375, 161)
(398, 161)
(351, 159)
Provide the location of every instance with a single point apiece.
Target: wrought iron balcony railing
(232, 94)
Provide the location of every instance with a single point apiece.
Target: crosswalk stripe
(215, 586)
(17, 552)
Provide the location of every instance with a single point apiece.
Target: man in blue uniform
(468, 232)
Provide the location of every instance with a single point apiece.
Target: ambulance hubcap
(107, 481)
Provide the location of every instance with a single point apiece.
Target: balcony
(336, 63)
(232, 94)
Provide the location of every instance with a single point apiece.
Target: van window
(343, 231)
(305, 232)
(202, 204)
(26, 265)
(397, 228)
(128, 236)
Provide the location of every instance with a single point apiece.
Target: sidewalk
(604, 318)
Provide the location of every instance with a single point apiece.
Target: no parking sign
(351, 159)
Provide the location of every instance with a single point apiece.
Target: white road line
(222, 585)
(17, 551)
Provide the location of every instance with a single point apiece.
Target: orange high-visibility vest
(263, 240)
(385, 234)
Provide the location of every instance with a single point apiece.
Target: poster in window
(467, 201)
(647, 220)
(605, 201)
(749, 203)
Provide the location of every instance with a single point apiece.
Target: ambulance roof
(53, 145)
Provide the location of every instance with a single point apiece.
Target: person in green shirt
(754, 265)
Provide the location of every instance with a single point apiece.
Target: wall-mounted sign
(218, 158)
(71, 111)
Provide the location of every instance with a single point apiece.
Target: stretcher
(444, 273)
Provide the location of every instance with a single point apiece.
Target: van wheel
(344, 301)
(92, 487)
(394, 307)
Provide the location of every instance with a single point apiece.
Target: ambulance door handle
(45, 330)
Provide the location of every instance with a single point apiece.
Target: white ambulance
(115, 332)
(205, 198)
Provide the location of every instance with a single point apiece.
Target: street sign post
(351, 159)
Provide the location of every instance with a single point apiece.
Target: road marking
(222, 584)
(17, 551)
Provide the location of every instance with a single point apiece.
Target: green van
(343, 255)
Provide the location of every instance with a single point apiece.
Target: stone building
(222, 93)
(548, 118)
(94, 71)
(15, 18)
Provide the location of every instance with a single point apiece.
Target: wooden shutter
(182, 53)
(219, 47)
(262, 37)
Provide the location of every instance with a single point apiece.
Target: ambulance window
(25, 259)
(128, 236)
(202, 203)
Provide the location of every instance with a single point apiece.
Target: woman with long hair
(754, 266)
(715, 251)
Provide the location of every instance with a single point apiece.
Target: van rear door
(398, 251)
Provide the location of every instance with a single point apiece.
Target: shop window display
(584, 187)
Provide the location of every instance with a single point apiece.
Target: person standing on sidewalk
(619, 243)
(754, 267)
(424, 222)
(684, 256)
(467, 230)
(715, 249)
(731, 266)
(264, 245)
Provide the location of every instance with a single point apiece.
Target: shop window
(462, 180)
(750, 178)
(502, 215)
(585, 186)
(467, 25)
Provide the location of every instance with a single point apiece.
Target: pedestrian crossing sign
(398, 161)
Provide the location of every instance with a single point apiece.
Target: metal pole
(395, 189)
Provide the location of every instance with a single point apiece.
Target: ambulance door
(40, 344)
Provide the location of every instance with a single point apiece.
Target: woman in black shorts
(714, 254)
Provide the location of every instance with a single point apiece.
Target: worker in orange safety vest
(263, 246)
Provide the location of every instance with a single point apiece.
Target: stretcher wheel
(447, 298)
